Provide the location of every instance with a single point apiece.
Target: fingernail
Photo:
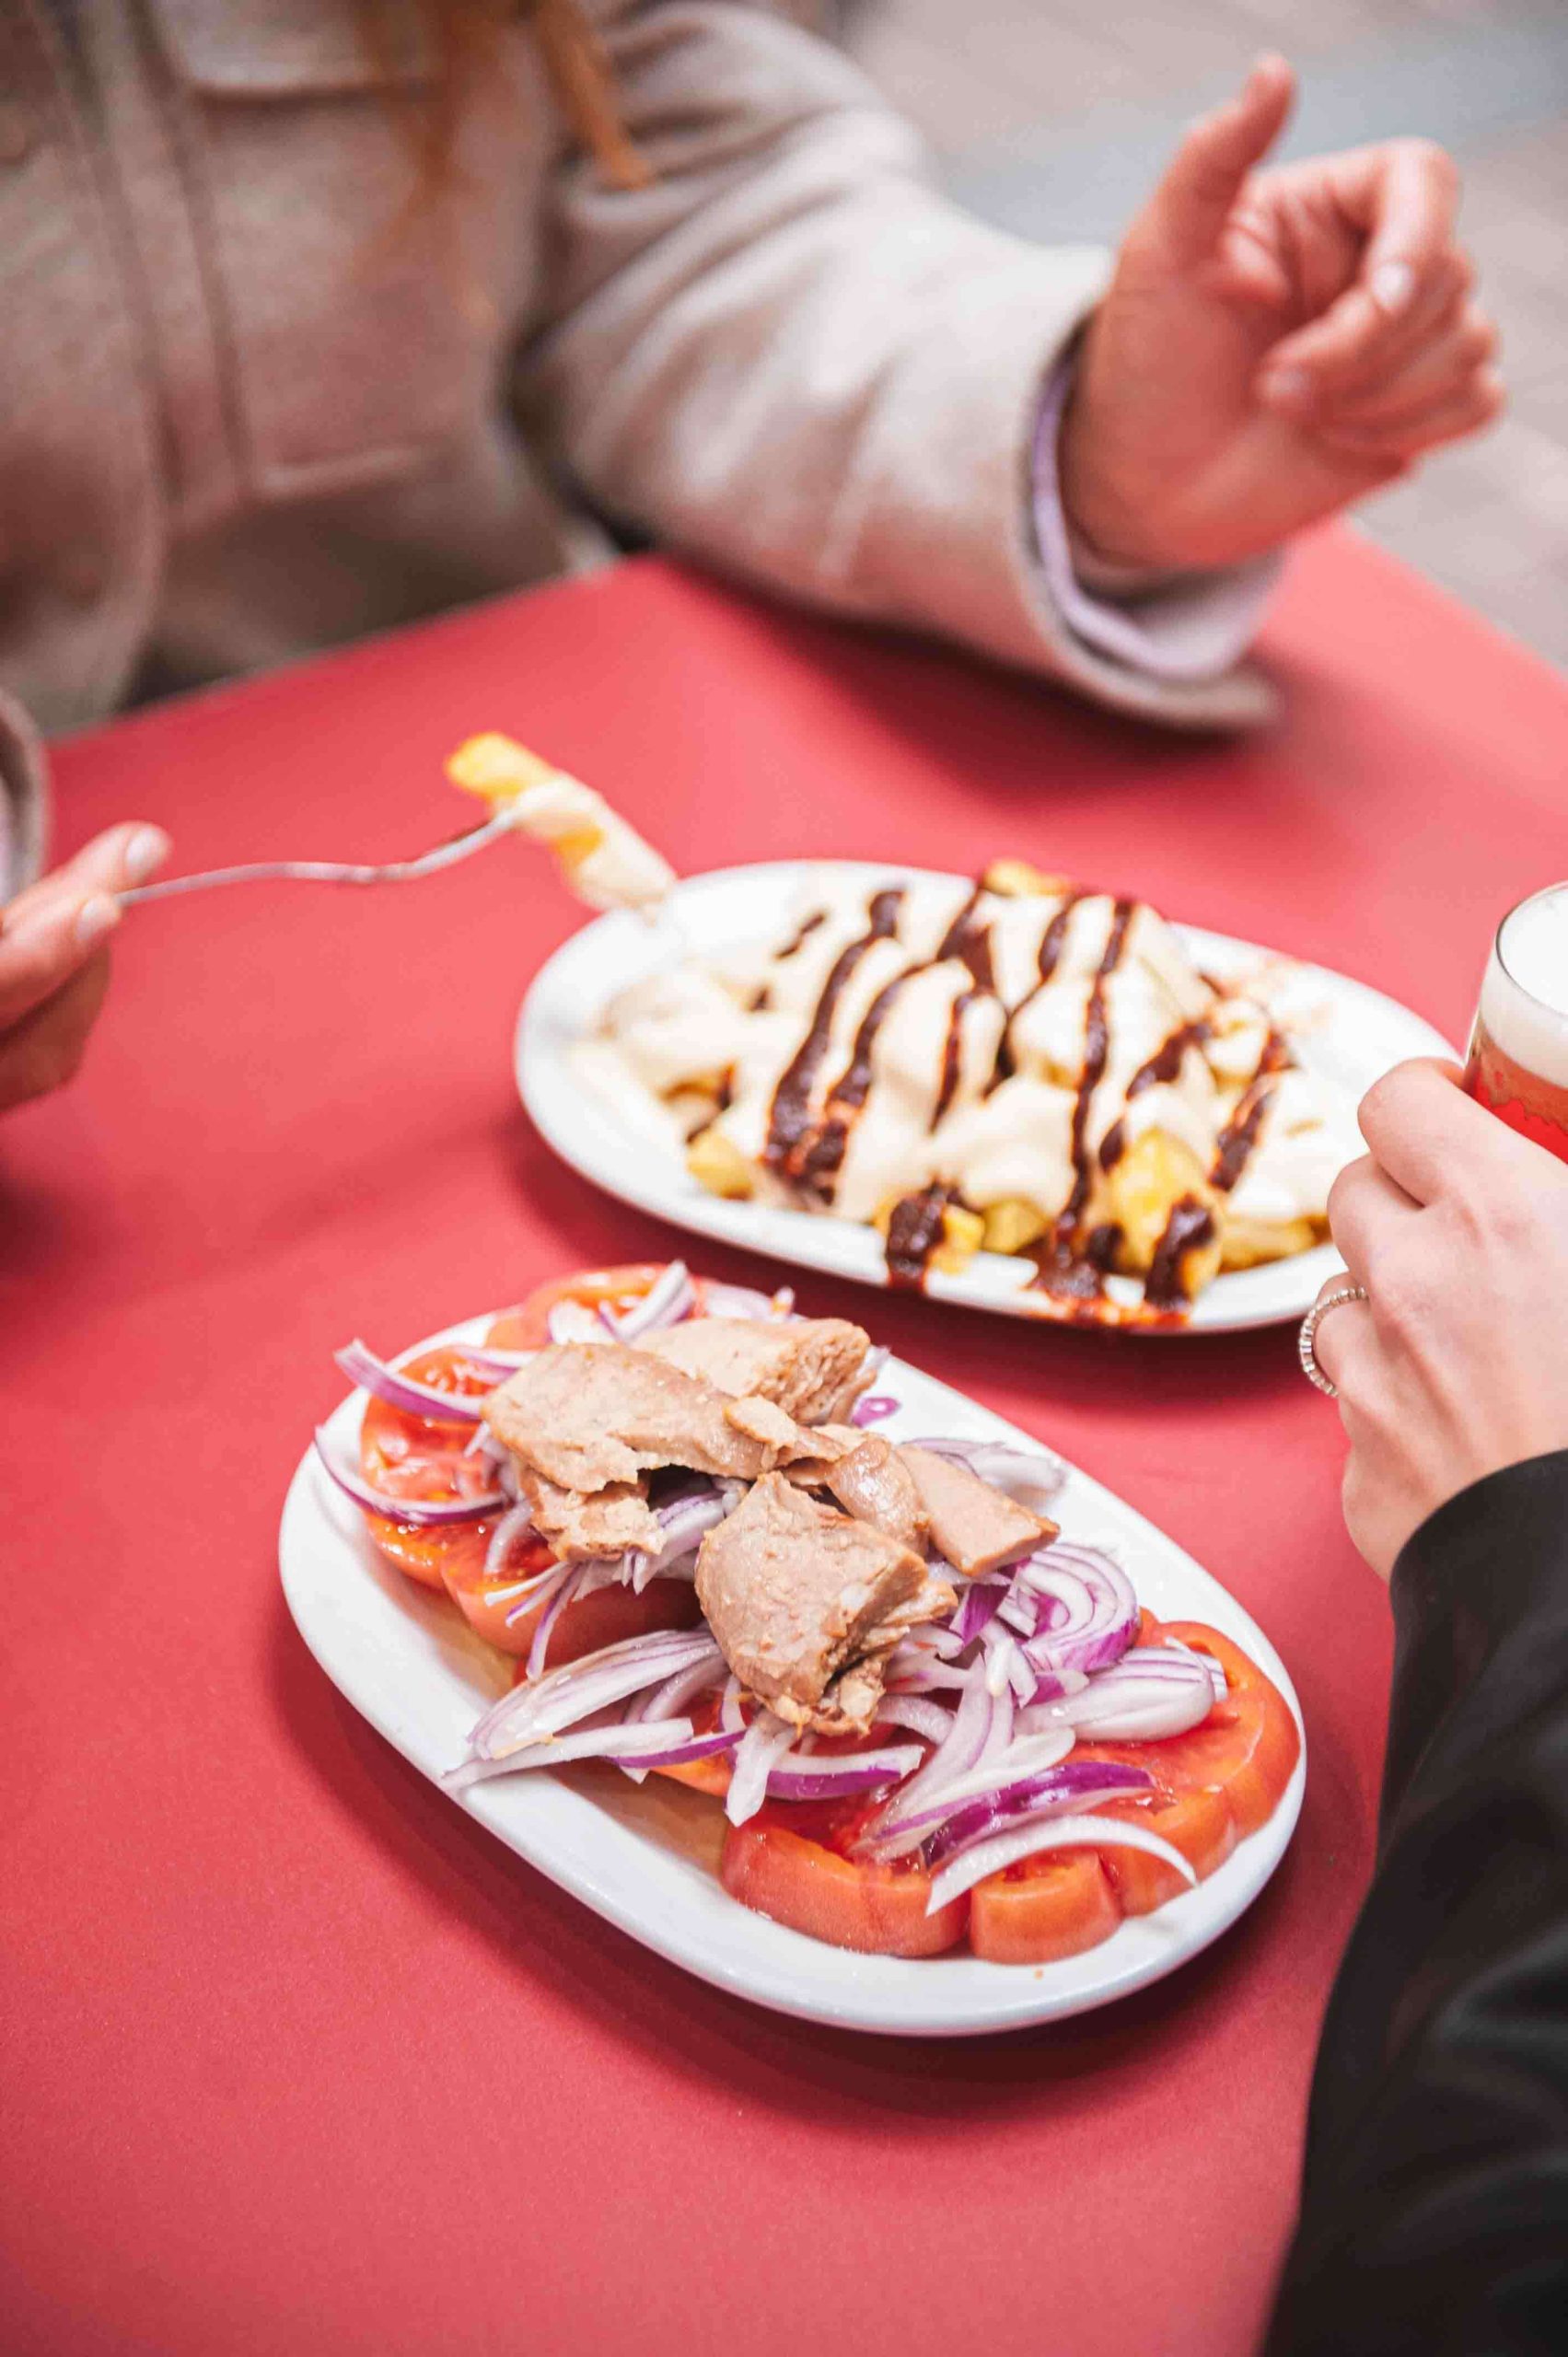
(1287, 388)
(147, 849)
(1393, 284)
(95, 918)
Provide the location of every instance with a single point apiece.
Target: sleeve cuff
(1184, 628)
(24, 798)
(1479, 1600)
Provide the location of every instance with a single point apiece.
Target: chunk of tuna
(873, 1483)
(975, 1526)
(806, 1604)
(606, 1522)
(814, 1369)
(590, 1416)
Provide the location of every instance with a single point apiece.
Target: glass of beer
(1517, 1066)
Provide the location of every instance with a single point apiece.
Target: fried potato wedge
(717, 1164)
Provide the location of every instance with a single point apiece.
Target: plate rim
(831, 1986)
(725, 1223)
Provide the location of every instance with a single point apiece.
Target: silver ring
(1310, 1324)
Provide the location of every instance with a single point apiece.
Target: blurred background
(1052, 117)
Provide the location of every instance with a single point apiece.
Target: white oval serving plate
(1364, 1033)
(643, 1856)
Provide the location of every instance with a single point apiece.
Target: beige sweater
(252, 402)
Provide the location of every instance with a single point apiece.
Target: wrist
(1105, 513)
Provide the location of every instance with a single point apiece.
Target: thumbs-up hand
(1274, 344)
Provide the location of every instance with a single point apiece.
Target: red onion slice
(360, 1365)
(1100, 1605)
(416, 1513)
(962, 1747)
(666, 1746)
(1052, 1833)
(745, 1302)
(1077, 1785)
(911, 1818)
(681, 1753)
(684, 1521)
(533, 1592)
(932, 1720)
(580, 1688)
(671, 1297)
(822, 1776)
(874, 1407)
(765, 1740)
(572, 1321)
(1149, 1694)
(978, 1605)
(502, 1538)
(565, 1593)
(676, 1694)
(497, 1365)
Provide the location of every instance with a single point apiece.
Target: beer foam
(1524, 1001)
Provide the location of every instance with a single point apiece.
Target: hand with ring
(1448, 1344)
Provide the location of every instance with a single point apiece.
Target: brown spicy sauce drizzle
(817, 1162)
(1189, 1226)
(1062, 1265)
(819, 1158)
(914, 1231)
(803, 933)
(1240, 1133)
(1158, 1073)
(1053, 941)
(789, 1118)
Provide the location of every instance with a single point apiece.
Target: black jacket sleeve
(1434, 2207)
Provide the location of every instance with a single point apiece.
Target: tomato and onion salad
(1045, 1764)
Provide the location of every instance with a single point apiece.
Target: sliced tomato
(1249, 1743)
(1197, 1823)
(607, 1615)
(1045, 1908)
(485, 1602)
(1245, 1750)
(419, 1458)
(878, 1910)
(1212, 1788)
(710, 1776)
(527, 1327)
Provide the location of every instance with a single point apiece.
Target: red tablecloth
(299, 2058)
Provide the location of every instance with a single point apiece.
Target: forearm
(1435, 2204)
(792, 358)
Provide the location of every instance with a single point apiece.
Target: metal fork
(329, 871)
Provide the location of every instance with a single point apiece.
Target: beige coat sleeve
(790, 356)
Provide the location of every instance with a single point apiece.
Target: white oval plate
(1366, 1033)
(644, 1856)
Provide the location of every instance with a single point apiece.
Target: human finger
(1478, 403)
(113, 862)
(40, 949)
(1441, 365)
(1428, 1136)
(1368, 1212)
(43, 1050)
(1404, 198)
(1188, 210)
(1437, 309)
